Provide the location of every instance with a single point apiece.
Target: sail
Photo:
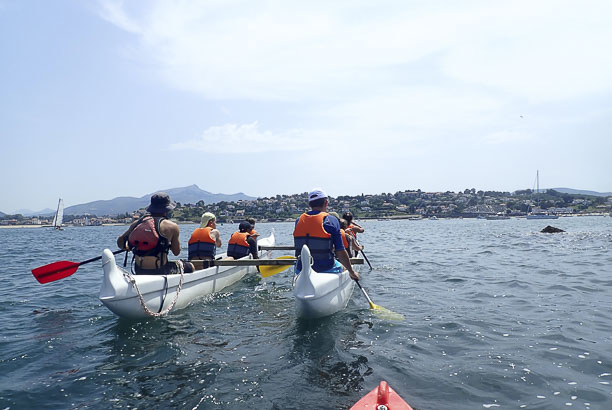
(58, 219)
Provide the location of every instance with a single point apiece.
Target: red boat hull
(382, 397)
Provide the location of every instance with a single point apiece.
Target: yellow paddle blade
(385, 313)
(269, 270)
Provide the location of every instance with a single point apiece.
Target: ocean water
(497, 315)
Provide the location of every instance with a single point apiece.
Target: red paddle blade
(55, 271)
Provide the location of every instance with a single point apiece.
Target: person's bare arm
(122, 240)
(171, 231)
(357, 228)
(346, 262)
(354, 244)
(217, 237)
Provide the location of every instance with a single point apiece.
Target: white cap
(316, 194)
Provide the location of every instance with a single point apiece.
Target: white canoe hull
(320, 294)
(119, 295)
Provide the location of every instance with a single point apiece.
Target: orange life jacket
(309, 231)
(238, 247)
(201, 244)
(345, 241)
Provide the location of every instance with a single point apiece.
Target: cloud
(303, 51)
(245, 138)
(114, 12)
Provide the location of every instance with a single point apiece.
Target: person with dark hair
(252, 222)
(151, 237)
(353, 228)
(242, 243)
(321, 233)
(349, 241)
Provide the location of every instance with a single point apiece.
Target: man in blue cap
(321, 232)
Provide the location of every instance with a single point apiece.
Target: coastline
(385, 218)
(24, 226)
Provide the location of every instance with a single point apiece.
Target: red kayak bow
(382, 397)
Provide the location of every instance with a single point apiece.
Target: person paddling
(151, 237)
(321, 233)
(242, 243)
(349, 241)
(205, 240)
(353, 228)
(253, 232)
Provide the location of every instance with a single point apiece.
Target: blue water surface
(497, 315)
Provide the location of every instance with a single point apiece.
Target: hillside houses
(402, 204)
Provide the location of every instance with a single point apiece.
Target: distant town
(400, 205)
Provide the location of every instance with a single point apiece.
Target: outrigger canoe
(320, 294)
(383, 397)
(143, 296)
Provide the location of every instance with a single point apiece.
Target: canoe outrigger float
(142, 296)
(321, 294)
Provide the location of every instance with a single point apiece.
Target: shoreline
(392, 218)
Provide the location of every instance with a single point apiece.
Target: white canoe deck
(318, 294)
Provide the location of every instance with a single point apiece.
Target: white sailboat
(58, 219)
(540, 214)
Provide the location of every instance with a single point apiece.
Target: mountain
(581, 192)
(186, 195)
(2, 213)
(29, 212)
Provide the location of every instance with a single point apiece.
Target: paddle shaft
(98, 258)
(366, 259)
(372, 305)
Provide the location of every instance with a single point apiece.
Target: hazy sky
(123, 98)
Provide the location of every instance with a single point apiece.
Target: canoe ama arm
(260, 262)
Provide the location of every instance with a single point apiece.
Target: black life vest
(146, 238)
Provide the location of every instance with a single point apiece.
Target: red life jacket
(238, 246)
(146, 238)
(201, 244)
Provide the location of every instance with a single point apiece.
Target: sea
(496, 315)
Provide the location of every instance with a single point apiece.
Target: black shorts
(170, 268)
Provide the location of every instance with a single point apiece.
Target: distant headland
(412, 204)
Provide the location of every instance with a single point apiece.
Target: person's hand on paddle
(354, 275)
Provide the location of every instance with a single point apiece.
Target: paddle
(366, 259)
(62, 269)
(385, 313)
(269, 270)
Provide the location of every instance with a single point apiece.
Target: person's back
(309, 230)
(352, 227)
(151, 237)
(346, 238)
(241, 243)
(321, 233)
(205, 239)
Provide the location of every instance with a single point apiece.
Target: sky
(101, 99)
